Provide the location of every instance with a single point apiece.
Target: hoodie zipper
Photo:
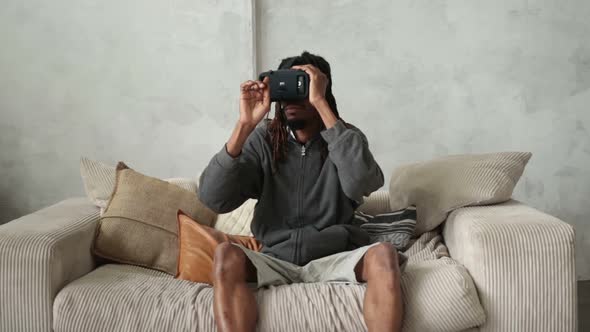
(299, 194)
(299, 199)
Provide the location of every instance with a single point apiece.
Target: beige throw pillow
(440, 186)
(99, 181)
(139, 225)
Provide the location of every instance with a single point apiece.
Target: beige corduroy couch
(506, 267)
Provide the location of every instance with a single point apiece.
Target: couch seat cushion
(438, 295)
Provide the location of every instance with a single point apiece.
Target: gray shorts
(335, 268)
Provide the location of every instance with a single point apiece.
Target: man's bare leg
(383, 304)
(234, 304)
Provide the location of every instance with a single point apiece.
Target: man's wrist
(246, 126)
(319, 102)
(326, 113)
(238, 137)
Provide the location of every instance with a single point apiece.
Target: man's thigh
(339, 267)
(251, 275)
(270, 270)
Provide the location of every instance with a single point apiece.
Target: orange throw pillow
(197, 245)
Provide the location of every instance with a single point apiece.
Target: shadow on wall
(8, 207)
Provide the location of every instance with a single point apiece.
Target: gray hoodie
(305, 209)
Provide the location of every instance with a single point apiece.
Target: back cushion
(139, 224)
(238, 221)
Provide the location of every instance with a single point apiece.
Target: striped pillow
(442, 185)
(395, 227)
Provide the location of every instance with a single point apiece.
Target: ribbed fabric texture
(396, 227)
(438, 293)
(439, 186)
(376, 203)
(440, 297)
(238, 221)
(99, 181)
(39, 254)
(522, 263)
(130, 298)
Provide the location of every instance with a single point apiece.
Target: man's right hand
(254, 101)
(254, 104)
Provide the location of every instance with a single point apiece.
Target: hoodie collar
(293, 138)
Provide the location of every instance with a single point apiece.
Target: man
(309, 171)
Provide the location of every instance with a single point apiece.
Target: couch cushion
(99, 181)
(440, 288)
(438, 294)
(238, 221)
(376, 203)
(441, 296)
(197, 245)
(437, 187)
(118, 297)
(139, 225)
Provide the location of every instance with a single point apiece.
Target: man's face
(300, 113)
(299, 110)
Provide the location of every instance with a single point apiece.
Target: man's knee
(229, 263)
(382, 256)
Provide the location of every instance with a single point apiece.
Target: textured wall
(152, 83)
(155, 84)
(428, 78)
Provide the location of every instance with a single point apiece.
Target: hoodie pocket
(291, 222)
(274, 236)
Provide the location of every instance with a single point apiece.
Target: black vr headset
(287, 84)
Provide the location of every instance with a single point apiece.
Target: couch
(504, 267)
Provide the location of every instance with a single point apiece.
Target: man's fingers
(302, 67)
(250, 85)
(307, 68)
(243, 85)
(310, 70)
(266, 96)
(254, 94)
(264, 82)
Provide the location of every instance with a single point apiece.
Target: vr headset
(287, 84)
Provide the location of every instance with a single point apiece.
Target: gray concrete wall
(155, 84)
(430, 78)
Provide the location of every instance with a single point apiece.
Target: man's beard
(296, 124)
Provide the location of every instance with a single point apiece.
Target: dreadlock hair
(278, 133)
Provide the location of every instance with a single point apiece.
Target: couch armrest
(39, 254)
(522, 263)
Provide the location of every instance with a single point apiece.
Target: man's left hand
(318, 81)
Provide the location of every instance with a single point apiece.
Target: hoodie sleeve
(348, 149)
(228, 182)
